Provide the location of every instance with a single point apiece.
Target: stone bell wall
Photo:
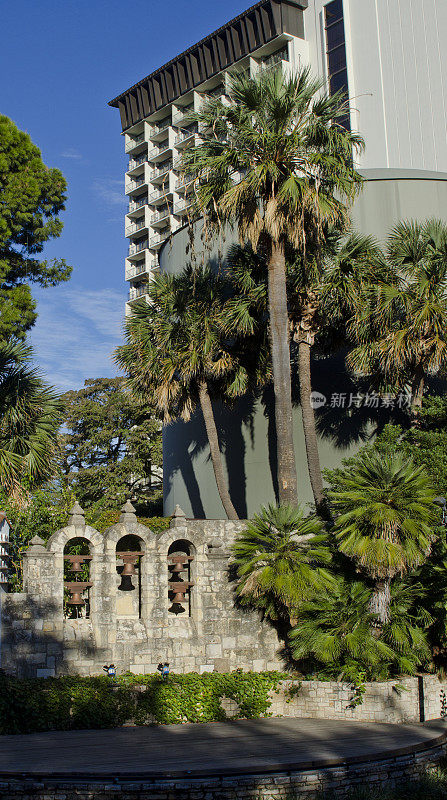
(133, 629)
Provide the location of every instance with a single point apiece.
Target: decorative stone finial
(36, 545)
(77, 516)
(178, 512)
(178, 518)
(127, 513)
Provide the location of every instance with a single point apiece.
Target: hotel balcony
(136, 270)
(134, 184)
(159, 173)
(136, 249)
(185, 135)
(135, 164)
(141, 263)
(182, 114)
(141, 268)
(137, 292)
(136, 226)
(182, 205)
(161, 215)
(160, 128)
(135, 142)
(138, 203)
(157, 239)
(277, 59)
(183, 182)
(156, 153)
(160, 195)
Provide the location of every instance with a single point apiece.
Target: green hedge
(66, 703)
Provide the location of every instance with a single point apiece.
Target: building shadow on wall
(352, 415)
(349, 419)
(185, 443)
(28, 643)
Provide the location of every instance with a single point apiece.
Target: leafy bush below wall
(69, 703)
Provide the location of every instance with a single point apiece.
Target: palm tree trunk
(417, 390)
(310, 432)
(216, 457)
(280, 349)
(380, 603)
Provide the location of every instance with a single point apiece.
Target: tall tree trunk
(280, 348)
(216, 457)
(310, 432)
(380, 603)
(417, 390)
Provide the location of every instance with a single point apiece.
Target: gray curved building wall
(247, 430)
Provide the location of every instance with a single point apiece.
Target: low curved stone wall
(414, 699)
(338, 778)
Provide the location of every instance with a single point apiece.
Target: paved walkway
(209, 749)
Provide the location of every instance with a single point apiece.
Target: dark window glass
(339, 81)
(334, 11)
(336, 52)
(335, 35)
(337, 58)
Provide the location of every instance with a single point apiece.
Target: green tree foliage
(334, 635)
(426, 444)
(111, 446)
(424, 440)
(30, 415)
(334, 631)
(403, 331)
(274, 160)
(279, 558)
(385, 520)
(44, 512)
(32, 195)
(325, 291)
(181, 350)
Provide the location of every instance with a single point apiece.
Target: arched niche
(129, 554)
(77, 574)
(181, 572)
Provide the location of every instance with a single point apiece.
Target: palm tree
(335, 630)
(274, 160)
(178, 353)
(385, 519)
(403, 332)
(279, 558)
(30, 415)
(406, 631)
(325, 291)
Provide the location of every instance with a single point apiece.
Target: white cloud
(110, 191)
(76, 333)
(71, 152)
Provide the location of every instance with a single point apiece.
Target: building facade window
(336, 52)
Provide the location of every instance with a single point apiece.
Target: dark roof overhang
(260, 24)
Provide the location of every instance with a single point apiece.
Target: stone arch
(129, 575)
(180, 557)
(57, 542)
(77, 558)
(128, 525)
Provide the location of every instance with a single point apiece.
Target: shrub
(73, 702)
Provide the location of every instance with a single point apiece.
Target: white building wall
(397, 71)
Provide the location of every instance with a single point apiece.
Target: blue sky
(61, 61)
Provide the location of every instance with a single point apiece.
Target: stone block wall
(413, 699)
(133, 629)
(379, 775)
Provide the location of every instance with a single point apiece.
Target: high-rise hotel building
(390, 56)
